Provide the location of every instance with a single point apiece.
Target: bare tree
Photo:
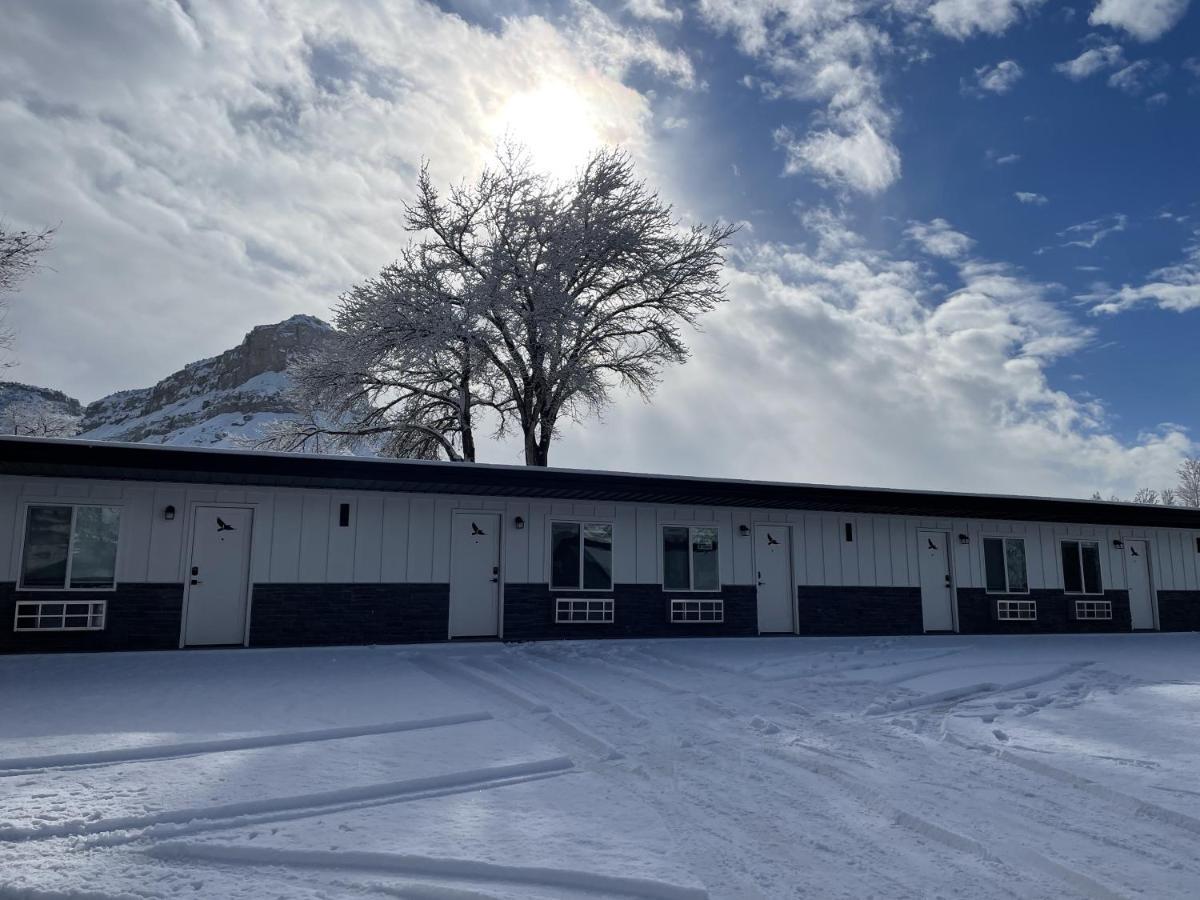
(1146, 495)
(1168, 496)
(1189, 482)
(35, 420)
(19, 253)
(402, 375)
(522, 298)
(584, 286)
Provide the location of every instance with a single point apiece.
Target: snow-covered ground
(922, 767)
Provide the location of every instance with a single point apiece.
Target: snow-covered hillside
(225, 401)
(964, 767)
(32, 411)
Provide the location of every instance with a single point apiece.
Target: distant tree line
(1185, 493)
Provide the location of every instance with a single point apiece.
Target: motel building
(131, 546)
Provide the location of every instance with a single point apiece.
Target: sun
(554, 123)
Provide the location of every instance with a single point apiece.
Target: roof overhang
(44, 457)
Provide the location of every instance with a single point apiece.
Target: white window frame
(582, 523)
(1082, 581)
(714, 608)
(662, 567)
(1016, 610)
(1093, 610)
(1008, 589)
(32, 609)
(578, 610)
(21, 586)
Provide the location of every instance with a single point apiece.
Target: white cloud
(963, 18)
(1006, 159)
(1089, 234)
(1137, 76)
(863, 159)
(923, 385)
(225, 166)
(828, 54)
(1031, 198)
(1175, 288)
(1000, 78)
(653, 11)
(1159, 99)
(1146, 20)
(939, 238)
(1089, 62)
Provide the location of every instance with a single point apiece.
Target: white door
(217, 575)
(772, 559)
(1137, 571)
(475, 575)
(937, 590)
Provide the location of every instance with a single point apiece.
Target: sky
(970, 247)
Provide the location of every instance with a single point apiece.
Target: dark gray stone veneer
(138, 617)
(640, 610)
(1179, 610)
(299, 615)
(859, 610)
(1055, 613)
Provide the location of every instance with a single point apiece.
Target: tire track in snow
(1011, 855)
(411, 864)
(391, 790)
(32, 765)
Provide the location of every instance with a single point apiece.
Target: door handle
(197, 581)
(495, 574)
(760, 581)
(947, 579)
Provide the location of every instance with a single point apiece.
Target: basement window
(595, 612)
(70, 547)
(1016, 610)
(1004, 566)
(70, 615)
(697, 611)
(581, 556)
(689, 558)
(1093, 609)
(1081, 567)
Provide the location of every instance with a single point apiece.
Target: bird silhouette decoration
(932, 545)
(476, 530)
(1133, 552)
(771, 542)
(222, 525)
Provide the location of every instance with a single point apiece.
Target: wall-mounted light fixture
(744, 530)
(169, 513)
(518, 523)
(1118, 544)
(964, 538)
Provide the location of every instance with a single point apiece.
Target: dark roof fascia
(147, 462)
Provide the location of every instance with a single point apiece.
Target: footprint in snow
(1000, 735)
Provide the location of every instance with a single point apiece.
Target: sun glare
(553, 122)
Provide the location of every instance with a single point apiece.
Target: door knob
(947, 579)
(197, 581)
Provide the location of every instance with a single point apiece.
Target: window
(697, 611)
(343, 515)
(1093, 609)
(690, 558)
(1016, 610)
(1081, 567)
(849, 532)
(1004, 566)
(590, 611)
(81, 615)
(581, 556)
(70, 547)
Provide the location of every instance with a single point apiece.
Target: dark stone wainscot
(859, 610)
(306, 615)
(639, 610)
(137, 617)
(1179, 610)
(1055, 613)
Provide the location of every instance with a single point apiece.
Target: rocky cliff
(226, 400)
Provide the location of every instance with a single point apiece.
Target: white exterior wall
(406, 537)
